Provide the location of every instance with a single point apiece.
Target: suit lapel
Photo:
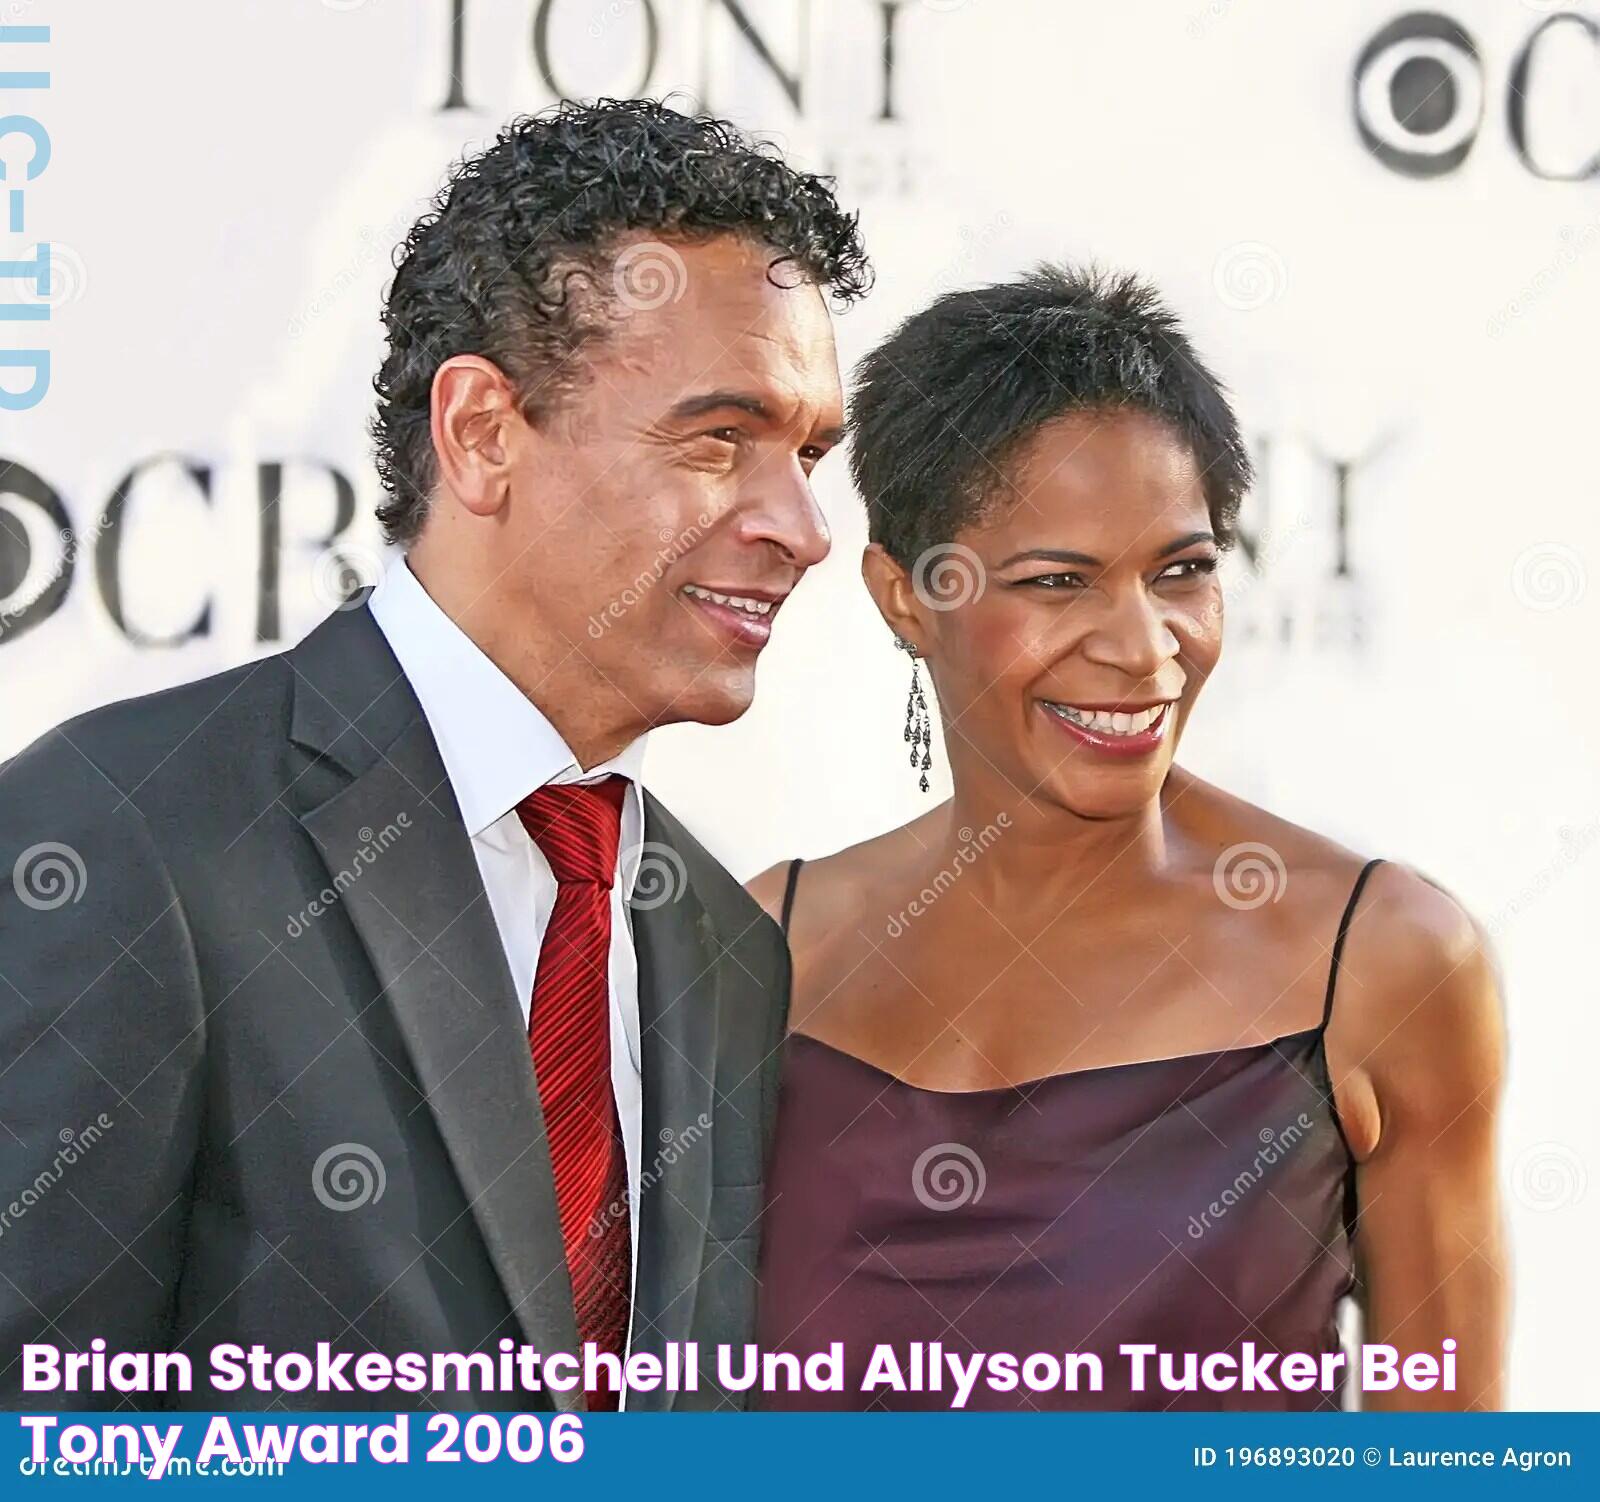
(679, 967)
(420, 911)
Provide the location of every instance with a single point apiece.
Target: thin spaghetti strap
(788, 890)
(1344, 928)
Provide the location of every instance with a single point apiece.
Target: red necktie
(577, 826)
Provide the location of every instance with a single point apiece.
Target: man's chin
(717, 697)
(721, 709)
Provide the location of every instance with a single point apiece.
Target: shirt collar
(496, 744)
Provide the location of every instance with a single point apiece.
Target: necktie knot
(578, 826)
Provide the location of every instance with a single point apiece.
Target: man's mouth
(735, 602)
(746, 619)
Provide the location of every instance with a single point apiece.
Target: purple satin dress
(1192, 1203)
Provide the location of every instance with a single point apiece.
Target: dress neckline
(1275, 1045)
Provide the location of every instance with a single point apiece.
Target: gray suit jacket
(263, 1076)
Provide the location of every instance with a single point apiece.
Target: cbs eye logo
(1420, 94)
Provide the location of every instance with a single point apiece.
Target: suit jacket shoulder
(146, 745)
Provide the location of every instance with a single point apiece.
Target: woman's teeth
(734, 602)
(1108, 722)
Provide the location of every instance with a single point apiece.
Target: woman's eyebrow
(1066, 555)
(1050, 555)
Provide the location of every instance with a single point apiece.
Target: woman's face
(1073, 669)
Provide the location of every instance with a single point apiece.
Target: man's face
(661, 516)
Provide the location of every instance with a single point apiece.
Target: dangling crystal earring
(919, 727)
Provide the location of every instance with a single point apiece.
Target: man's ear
(471, 413)
(892, 591)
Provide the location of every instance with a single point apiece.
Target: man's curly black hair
(513, 259)
(942, 408)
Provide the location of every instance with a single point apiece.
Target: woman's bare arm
(1417, 1052)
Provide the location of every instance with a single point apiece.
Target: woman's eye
(1052, 581)
(1189, 568)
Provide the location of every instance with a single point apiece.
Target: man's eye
(725, 435)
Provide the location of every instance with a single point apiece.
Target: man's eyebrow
(721, 401)
(742, 401)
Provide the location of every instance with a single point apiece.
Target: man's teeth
(1107, 722)
(736, 602)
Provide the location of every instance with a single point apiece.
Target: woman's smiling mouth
(1117, 732)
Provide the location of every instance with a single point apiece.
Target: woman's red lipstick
(1107, 742)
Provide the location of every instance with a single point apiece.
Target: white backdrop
(1408, 318)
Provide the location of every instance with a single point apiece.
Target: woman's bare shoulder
(832, 884)
(1226, 829)
(1411, 922)
(1287, 875)
(1416, 1020)
(1420, 995)
(1414, 1006)
(768, 888)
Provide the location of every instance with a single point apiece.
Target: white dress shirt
(497, 748)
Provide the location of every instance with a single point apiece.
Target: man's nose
(784, 512)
